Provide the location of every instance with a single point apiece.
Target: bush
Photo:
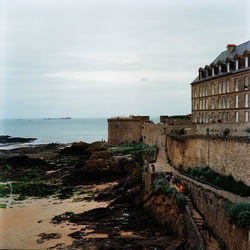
(247, 130)
(181, 201)
(238, 213)
(226, 131)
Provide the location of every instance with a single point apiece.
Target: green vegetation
(180, 117)
(139, 151)
(2, 205)
(238, 213)
(224, 182)
(178, 131)
(161, 186)
(247, 130)
(4, 190)
(226, 131)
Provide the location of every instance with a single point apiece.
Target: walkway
(161, 164)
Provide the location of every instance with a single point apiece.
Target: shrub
(180, 201)
(238, 213)
(226, 131)
(247, 130)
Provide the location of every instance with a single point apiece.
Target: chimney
(230, 48)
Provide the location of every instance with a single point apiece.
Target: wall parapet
(245, 139)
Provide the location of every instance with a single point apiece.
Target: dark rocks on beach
(5, 139)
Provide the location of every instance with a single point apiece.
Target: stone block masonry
(227, 156)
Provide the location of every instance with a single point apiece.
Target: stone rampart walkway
(161, 164)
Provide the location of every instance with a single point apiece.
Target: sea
(54, 130)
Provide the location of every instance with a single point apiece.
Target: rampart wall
(122, 131)
(225, 155)
(154, 134)
(211, 206)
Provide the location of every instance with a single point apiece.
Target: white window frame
(228, 116)
(195, 92)
(228, 101)
(219, 69)
(212, 89)
(236, 116)
(219, 102)
(246, 61)
(224, 87)
(237, 64)
(206, 90)
(200, 104)
(219, 86)
(228, 86)
(212, 72)
(236, 101)
(246, 82)
(224, 102)
(246, 100)
(228, 67)
(246, 116)
(212, 103)
(199, 91)
(236, 84)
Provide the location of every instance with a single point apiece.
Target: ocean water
(60, 131)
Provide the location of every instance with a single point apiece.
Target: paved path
(161, 164)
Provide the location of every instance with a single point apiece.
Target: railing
(225, 194)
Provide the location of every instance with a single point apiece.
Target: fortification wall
(122, 131)
(236, 129)
(154, 134)
(211, 206)
(225, 155)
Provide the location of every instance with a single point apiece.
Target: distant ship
(62, 118)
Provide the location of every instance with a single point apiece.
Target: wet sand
(21, 224)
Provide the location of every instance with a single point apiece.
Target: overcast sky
(90, 58)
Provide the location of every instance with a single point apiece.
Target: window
(224, 87)
(236, 84)
(246, 82)
(228, 116)
(200, 104)
(236, 101)
(206, 90)
(224, 116)
(228, 102)
(224, 102)
(219, 86)
(203, 91)
(195, 92)
(236, 116)
(203, 104)
(195, 104)
(199, 91)
(195, 117)
(200, 117)
(212, 72)
(212, 103)
(246, 100)
(246, 61)
(228, 88)
(228, 67)
(236, 65)
(246, 116)
(212, 88)
(220, 115)
(219, 101)
(219, 69)
(206, 103)
(206, 118)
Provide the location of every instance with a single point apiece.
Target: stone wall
(225, 155)
(211, 206)
(154, 134)
(122, 131)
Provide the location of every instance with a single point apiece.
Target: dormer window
(237, 64)
(212, 72)
(228, 67)
(246, 61)
(219, 69)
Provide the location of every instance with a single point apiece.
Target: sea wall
(154, 134)
(211, 206)
(122, 131)
(225, 155)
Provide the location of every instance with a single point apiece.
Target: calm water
(61, 131)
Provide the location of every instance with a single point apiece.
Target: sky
(106, 58)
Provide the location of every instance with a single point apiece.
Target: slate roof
(240, 49)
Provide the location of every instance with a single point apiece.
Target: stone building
(221, 89)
